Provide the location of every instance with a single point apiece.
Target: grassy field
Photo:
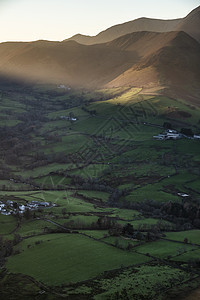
(52, 262)
(102, 171)
(193, 236)
(7, 224)
(164, 249)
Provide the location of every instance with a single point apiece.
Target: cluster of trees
(6, 247)
(185, 131)
(91, 112)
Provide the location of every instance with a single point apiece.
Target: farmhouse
(68, 118)
(167, 136)
(183, 195)
(173, 136)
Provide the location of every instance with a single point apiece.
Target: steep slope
(175, 65)
(191, 24)
(66, 62)
(143, 59)
(141, 24)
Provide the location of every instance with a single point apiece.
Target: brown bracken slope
(167, 61)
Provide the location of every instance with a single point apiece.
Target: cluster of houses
(12, 208)
(171, 134)
(68, 118)
(62, 86)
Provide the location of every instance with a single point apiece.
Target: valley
(117, 215)
(99, 153)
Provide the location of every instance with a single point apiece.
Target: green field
(53, 263)
(118, 225)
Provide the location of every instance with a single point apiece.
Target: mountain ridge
(144, 24)
(156, 60)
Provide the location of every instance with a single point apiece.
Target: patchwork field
(92, 206)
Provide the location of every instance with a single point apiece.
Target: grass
(97, 234)
(64, 200)
(193, 236)
(125, 214)
(195, 185)
(120, 241)
(35, 227)
(45, 170)
(188, 256)
(52, 261)
(164, 249)
(125, 156)
(147, 223)
(95, 195)
(156, 278)
(129, 284)
(150, 192)
(53, 180)
(7, 224)
(91, 171)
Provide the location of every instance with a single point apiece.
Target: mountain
(145, 59)
(174, 63)
(141, 24)
(190, 24)
(66, 62)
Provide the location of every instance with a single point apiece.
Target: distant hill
(141, 24)
(190, 24)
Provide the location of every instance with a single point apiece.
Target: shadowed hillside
(66, 62)
(142, 59)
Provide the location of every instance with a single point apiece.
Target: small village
(12, 208)
(171, 134)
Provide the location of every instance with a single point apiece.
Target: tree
(167, 125)
(64, 211)
(187, 131)
(128, 229)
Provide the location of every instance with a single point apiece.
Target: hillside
(66, 62)
(141, 24)
(190, 24)
(91, 203)
(142, 59)
(175, 63)
(100, 167)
